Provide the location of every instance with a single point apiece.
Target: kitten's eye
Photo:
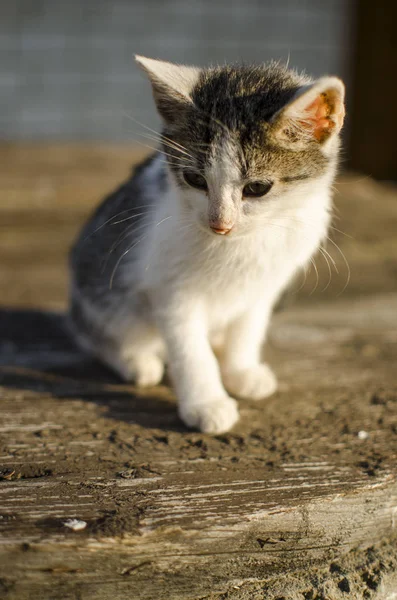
(256, 189)
(195, 180)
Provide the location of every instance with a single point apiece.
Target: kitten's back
(115, 226)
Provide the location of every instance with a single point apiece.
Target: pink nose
(222, 230)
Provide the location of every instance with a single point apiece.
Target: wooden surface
(299, 501)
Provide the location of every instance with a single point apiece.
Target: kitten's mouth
(223, 231)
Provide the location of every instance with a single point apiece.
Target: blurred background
(68, 71)
(70, 96)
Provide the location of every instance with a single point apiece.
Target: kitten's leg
(128, 343)
(203, 401)
(243, 373)
(137, 357)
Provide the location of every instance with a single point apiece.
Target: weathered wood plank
(291, 486)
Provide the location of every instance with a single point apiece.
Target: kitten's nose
(222, 230)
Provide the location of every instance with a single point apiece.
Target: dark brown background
(372, 144)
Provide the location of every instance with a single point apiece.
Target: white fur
(179, 77)
(210, 293)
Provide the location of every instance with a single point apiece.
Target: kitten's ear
(172, 85)
(315, 113)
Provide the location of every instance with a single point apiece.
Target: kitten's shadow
(37, 354)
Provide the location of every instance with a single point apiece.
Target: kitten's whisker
(162, 152)
(121, 238)
(121, 258)
(174, 164)
(115, 217)
(320, 249)
(341, 232)
(188, 226)
(130, 248)
(174, 143)
(331, 258)
(175, 147)
(128, 218)
(346, 263)
(160, 136)
(167, 144)
(162, 220)
(313, 262)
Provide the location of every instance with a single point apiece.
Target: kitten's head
(243, 142)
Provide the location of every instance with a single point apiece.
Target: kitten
(185, 261)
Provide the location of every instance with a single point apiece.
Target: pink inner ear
(323, 115)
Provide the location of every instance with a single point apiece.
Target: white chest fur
(227, 274)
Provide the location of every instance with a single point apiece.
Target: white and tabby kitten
(185, 261)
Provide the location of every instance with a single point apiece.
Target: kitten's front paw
(254, 383)
(217, 416)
